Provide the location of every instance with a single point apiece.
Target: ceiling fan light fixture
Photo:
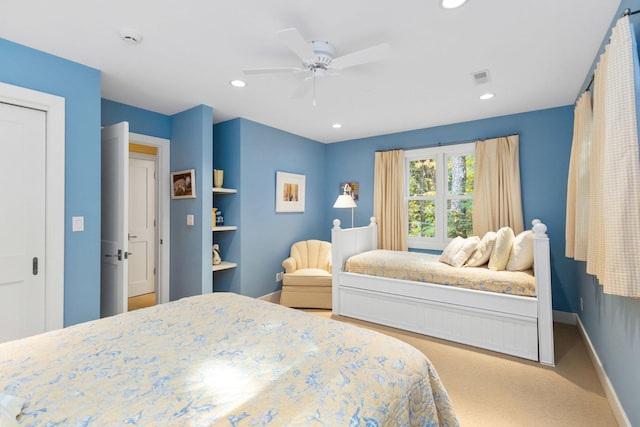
(237, 83)
(452, 4)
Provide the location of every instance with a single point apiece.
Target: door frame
(163, 231)
(54, 107)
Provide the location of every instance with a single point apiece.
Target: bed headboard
(346, 242)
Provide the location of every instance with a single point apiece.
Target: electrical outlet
(279, 276)
(581, 304)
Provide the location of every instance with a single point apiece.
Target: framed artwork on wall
(290, 191)
(183, 184)
(354, 187)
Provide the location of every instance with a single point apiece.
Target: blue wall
(612, 322)
(141, 121)
(545, 145)
(80, 86)
(192, 148)
(257, 152)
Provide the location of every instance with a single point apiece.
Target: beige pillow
(501, 249)
(482, 253)
(521, 257)
(463, 254)
(451, 250)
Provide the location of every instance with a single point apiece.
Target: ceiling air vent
(481, 77)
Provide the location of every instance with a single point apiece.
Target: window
(439, 194)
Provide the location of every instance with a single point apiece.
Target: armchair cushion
(309, 254)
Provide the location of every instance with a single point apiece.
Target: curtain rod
(444, 144)
(626, 12)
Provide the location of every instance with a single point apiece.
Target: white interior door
(22, 221)
(115, 218)
(142, 225)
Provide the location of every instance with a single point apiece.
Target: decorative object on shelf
(215, 259)
(345, 200)
(355, 189)
(219, 218)
(213, 217)
(218, 177)
(183, 184)
(290, 191)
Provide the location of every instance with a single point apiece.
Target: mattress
(221, 359)
(423, 267)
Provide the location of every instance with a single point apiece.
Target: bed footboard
(520, 326)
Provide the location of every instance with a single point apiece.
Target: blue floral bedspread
(221, 359)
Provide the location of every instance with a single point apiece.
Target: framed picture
(290, 189)
(355, 189)
(183, 184)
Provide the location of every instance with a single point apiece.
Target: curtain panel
(612, 171)
(497, 199)
(388, 200)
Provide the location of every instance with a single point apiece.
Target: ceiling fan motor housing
(324, 52)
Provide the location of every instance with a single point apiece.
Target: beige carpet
(490, 389)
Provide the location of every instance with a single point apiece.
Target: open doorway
(148, 221)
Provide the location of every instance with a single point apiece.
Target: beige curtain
(497, 201)
(388, 200)
(578, 183)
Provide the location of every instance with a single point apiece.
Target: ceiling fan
(318, 58)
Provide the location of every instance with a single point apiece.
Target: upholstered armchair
(307, 275)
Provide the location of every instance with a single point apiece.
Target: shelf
(221, 190)
(224, 265)
(225, 228)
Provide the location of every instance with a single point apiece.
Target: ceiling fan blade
(277, 70)
(297, 44)
(371, 54)
(304, 86)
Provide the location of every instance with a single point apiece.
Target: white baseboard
(564, 317)
(609, 391)
(273, 297)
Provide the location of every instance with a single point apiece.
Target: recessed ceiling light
(486, 96)
(336, 125)
(452, 4)
(237, 83)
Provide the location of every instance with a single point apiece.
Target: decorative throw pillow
(451, 250)
(482, 253)
(501, 249)
(521, 257)
(463, 254)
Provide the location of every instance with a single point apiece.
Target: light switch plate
(77, 223)
(190, 219)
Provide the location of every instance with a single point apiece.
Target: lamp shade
(345, 201)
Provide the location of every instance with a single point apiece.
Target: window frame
(440, 154)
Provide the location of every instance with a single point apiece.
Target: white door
(22, 221)
(115, 207)
(142, 222)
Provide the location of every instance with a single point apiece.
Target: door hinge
(154, 271)
(35, 266)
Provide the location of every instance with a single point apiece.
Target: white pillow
(521, 257)
(501, 249)
(482, 253)
(451, 250)
(463, 248)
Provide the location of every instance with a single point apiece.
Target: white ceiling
(538, 53)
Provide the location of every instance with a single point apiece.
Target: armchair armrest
(289, 265)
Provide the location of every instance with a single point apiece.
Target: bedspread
(221, 359)
(423, 267)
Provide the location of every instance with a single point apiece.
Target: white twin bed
(512, 324)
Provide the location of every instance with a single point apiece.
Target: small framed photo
(290, 191)
(183, 184)
(353, 189)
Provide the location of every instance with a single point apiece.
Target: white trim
(54, 107)
(609, 391)
(164, 215)
(564, 317)
(273, 297)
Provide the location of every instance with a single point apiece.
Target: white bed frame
(515, 325)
